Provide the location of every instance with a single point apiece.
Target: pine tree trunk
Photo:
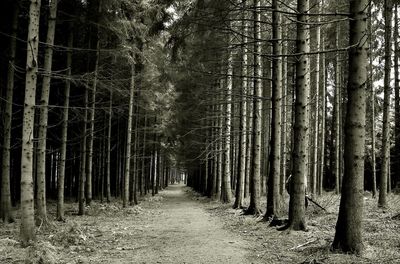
(6, 206)
(386, 107)
(82, 174)
(348, 237)
(109, 134)
(92, 112)
(273, 197)
(396, 102)
(284, 110)
(337, 116)
(44, 116)
(125, 198)
(301, 125)
(64, 131)
(372, 101)
(220, 141)
(254, 207)
(241, 172)
(27, 231)
(323, 119)
(314, 181)
(143, 174)
(226, 190)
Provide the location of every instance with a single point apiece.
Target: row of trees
(281, 90)
(85, 102)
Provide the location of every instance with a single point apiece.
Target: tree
(44, 115)
(241, 172)
(255, 174)
(396, 98)
(64, 131)
(301, 125)
(5, 206)
(129, 139)
(388, 6)
(273, 197)
(348, 236)
(27, 231)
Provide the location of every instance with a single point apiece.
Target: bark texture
(348, 236)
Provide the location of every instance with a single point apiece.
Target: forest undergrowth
(106, 233)
(110, 234)
(380, 230)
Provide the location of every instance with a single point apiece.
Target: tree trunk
(254, 207)
(396, 102)
(301, 125)
(82, 174)
(386, 107)
(348, 236)
(226, 191)
(27, 231)
(44, 116)
(337, 117)
(64, 132)
(323, 119)
(109, 134)
(129, 139)
(372, 101)
(92, 111)
(274, 197)
(314, 178)
(241, 172)
(6, 206)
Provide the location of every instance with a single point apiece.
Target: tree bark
(337, 116)
(44, 116)
(386, 107)
(109, 134)
(64, 131)
(240, 181)
(254, 207)
(314, 181)
(125, 198)
(301, 125)
(6, 206)
(396, 101)
(27, 231)
(226, 190)
(273, 197)
(348, 236)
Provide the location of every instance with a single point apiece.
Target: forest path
(180, 231)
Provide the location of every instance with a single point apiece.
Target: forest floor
(180, 226)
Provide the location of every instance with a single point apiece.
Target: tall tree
(273, 197)
(241, 172)
(44, 115)
(108, 162)
(388, 6)
(226, 192)
(64, 130)
(255, 174)
(317, 78)
(396, 98)
(129, 133)
(337, 117)
(348, 236)
(5, 206)
(27, 231)
(301, 125)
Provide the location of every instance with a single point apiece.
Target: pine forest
(199, 131)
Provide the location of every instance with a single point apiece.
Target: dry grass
(381, 233)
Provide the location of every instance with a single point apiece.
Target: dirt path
(180, 231)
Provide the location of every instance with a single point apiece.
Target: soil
(180, 226)
(172, 227)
